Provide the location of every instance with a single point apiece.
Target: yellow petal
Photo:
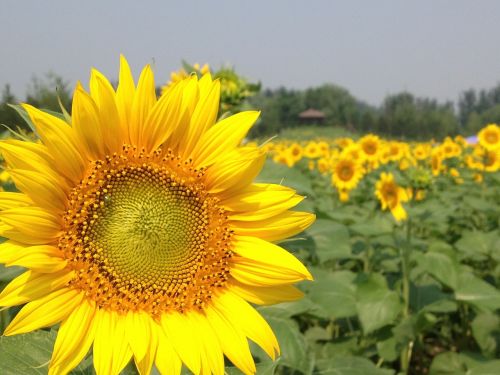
(86, 122)
(263, 204)
(74, 338)
(111, 348)
(31, 285)
(61, 142)
(236, 172)
(43, 258)
(162, 120)
(190, 94)
(118, 341)
(223, 137)
(241, 314)
(212, 357)
(45, 312)
(42, 188)
(167, 361)
(142, 339)
(144, 100)
(233, 342)
(257, 196)
(266, 295)
(10, 200)
(25, 155)
(284, 225)
(125, 96)
(33, 221)
(204, 115)
(103, 94)
(181, 333)
(265, 257)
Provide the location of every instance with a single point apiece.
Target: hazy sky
(433, 48)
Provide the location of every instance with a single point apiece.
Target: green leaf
(442, 267)
(488, 368)
(451, 363)
(349, 366)
(291, 177)
(292, 343)
(9, 273)
(448, 363)
(478, 245)
(377, 306)
(373, 227)
(387, 349)
(335, 294)
(477, 292)
(24, 115)
(342, 347)
(27, 354)
(331, 240)
(317, 333)
(429, 297)
(484, 328)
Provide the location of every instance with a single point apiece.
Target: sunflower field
(403, 259)
(404, 254)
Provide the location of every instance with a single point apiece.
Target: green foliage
(357, 317)
(403, 115)
(477, 108)
(50, 93)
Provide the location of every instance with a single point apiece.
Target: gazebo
(311, 116)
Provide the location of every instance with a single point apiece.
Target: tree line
(401, 115)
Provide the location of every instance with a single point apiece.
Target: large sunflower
(143, 232)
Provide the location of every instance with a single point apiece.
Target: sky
(432, 48)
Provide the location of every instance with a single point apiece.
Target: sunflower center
(370, 148)
(142, 233)
(149, 226)
(491, 137)
(346, 172)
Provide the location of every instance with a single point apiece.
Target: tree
(8, 116)
(43, 93)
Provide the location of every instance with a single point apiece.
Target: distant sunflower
(450, 148)
(143, 232)
(312, 150)
(371, 147)
(346, 173)
(295, 152)
(489, 137)
(391, 196)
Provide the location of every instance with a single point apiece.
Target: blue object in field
(472, 140)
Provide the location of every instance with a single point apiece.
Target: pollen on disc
(143, 234)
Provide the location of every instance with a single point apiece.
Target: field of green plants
(419, 296)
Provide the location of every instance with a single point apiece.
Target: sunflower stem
(405, 270)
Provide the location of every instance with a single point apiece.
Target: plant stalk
(405, 270)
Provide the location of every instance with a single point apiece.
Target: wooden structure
(312, 116)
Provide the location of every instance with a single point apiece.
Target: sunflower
(391, 195)
(422, 151)
(143, 232)
(371, 147)
(295, 152)
(436, 161)
(312, 150)
(346, 173)
(488, 160)
(450, 149)
(489, 137)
